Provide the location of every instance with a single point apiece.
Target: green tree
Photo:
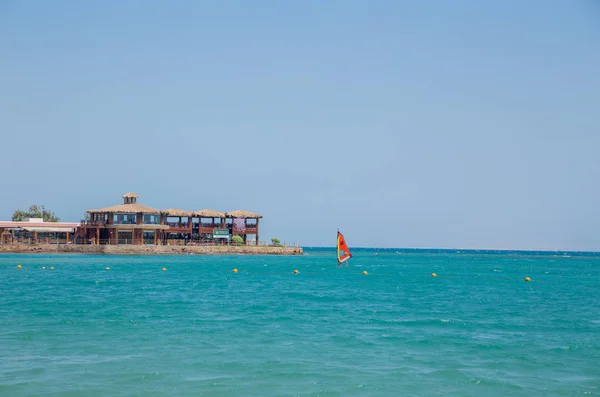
(35, 211)
(275, 242)
(237, 240)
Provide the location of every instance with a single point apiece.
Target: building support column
(97, 236)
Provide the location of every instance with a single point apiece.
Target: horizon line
(462, 249)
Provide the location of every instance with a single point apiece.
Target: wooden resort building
(35, 230)
(127, 223)
(242, 223)
(133, 223)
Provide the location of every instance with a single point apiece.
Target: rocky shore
(147, 249)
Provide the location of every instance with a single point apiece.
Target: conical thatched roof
(206, 213)
(130, 195)
(126, 209)
(242, 214)
(177, 212)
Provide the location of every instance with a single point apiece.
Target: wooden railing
(177, 225)
(146, 241)
(92, 223)
(248, 230)
(104, 223)
(211, 225)
(136, 241)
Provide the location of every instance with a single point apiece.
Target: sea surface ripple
(197, 329)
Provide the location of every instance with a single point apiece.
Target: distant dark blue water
(197, 329)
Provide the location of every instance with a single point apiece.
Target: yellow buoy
(19, 267)
(296, 272)
(527, 279)
(234, 270)
(433, 275)
(164, 269)
(365, 272)
(51, 267)
(107, 268)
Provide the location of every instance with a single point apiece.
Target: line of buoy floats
(235, 270)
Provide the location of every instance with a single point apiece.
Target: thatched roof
(242, 214)
(130, 195)
(209, 214)
(176, 212)
(126, 209)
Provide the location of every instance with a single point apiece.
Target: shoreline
(147, 249)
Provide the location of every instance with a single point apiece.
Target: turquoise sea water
(197, 329)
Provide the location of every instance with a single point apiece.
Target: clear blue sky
(402, 123)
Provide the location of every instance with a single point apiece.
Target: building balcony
(250, 229)
(177, 225)
(92, 223)
(103, 223)
(207, 228)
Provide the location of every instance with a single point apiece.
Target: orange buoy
(235, 270)
(296, 272)
(433, 275)
(527, 279)
(365, 272)
(164, 269)
(19, 267)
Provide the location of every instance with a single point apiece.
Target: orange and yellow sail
(343, 252)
